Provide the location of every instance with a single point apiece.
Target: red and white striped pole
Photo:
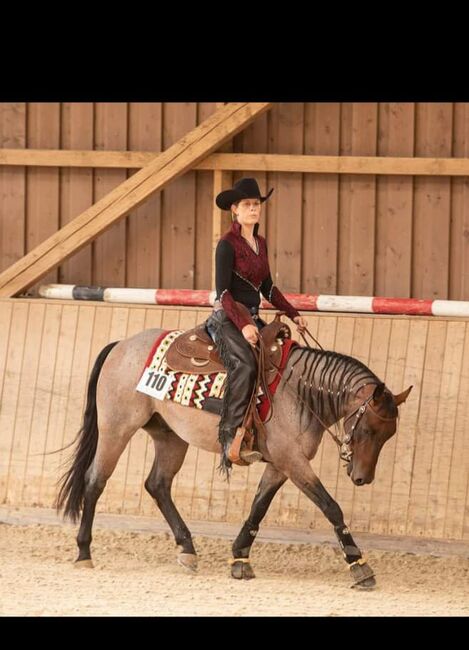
(301, 301)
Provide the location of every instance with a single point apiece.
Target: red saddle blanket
(193, 389)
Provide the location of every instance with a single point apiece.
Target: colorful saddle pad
(192, 389)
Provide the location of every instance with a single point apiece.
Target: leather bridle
(345, 450)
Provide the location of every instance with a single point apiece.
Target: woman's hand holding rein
(250, 333)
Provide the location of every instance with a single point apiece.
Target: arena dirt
(136, 574)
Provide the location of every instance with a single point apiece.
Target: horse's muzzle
(359, 477)
(361, 480)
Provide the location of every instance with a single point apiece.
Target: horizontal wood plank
(391, 165)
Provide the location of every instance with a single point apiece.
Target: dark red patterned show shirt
(242, 275)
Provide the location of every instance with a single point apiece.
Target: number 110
(156, 380)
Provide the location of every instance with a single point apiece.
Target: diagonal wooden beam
(183, 155)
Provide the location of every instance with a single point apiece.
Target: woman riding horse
(317, 389)
(242, 273)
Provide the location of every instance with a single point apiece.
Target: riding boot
(235, 450)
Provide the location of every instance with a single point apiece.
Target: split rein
(345, 450)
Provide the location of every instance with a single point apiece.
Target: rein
(309, 334)
(345, 451)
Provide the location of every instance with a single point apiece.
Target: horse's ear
(378, 392)
(399, 399)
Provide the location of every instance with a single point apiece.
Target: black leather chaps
(241, 367)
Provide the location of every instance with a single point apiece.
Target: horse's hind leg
(170, 451)
(107, 455)
(271, 481)
(113, 413)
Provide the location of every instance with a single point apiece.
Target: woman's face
(247, 211)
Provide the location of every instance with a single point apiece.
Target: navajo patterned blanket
(193, 389)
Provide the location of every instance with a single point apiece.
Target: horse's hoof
(84, 564)
(366, 585)
(363, 575)
(188, 561)
(242, 571)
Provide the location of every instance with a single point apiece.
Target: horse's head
(370, 420)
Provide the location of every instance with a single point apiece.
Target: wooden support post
(221, 181)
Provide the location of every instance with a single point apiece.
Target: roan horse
(317, 389)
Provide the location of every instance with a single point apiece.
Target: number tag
(155, 384)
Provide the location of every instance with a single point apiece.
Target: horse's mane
(334, 376)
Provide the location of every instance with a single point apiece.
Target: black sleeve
(224, 260)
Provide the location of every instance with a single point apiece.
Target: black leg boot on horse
(241, 369)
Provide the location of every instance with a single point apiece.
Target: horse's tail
(72, 483)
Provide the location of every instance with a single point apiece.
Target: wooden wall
(397, 236)
(421, 488)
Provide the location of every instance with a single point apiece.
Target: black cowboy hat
(245, 188)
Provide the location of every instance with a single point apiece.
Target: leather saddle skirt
(195, 352)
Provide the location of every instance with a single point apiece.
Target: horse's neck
(324, 382)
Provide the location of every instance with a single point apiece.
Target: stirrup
(249, 456)
(238, 455)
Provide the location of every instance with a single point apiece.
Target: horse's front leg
(298, 469)
(271, 481)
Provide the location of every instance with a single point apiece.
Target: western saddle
(195, 352)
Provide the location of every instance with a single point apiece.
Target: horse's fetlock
(241, 552)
